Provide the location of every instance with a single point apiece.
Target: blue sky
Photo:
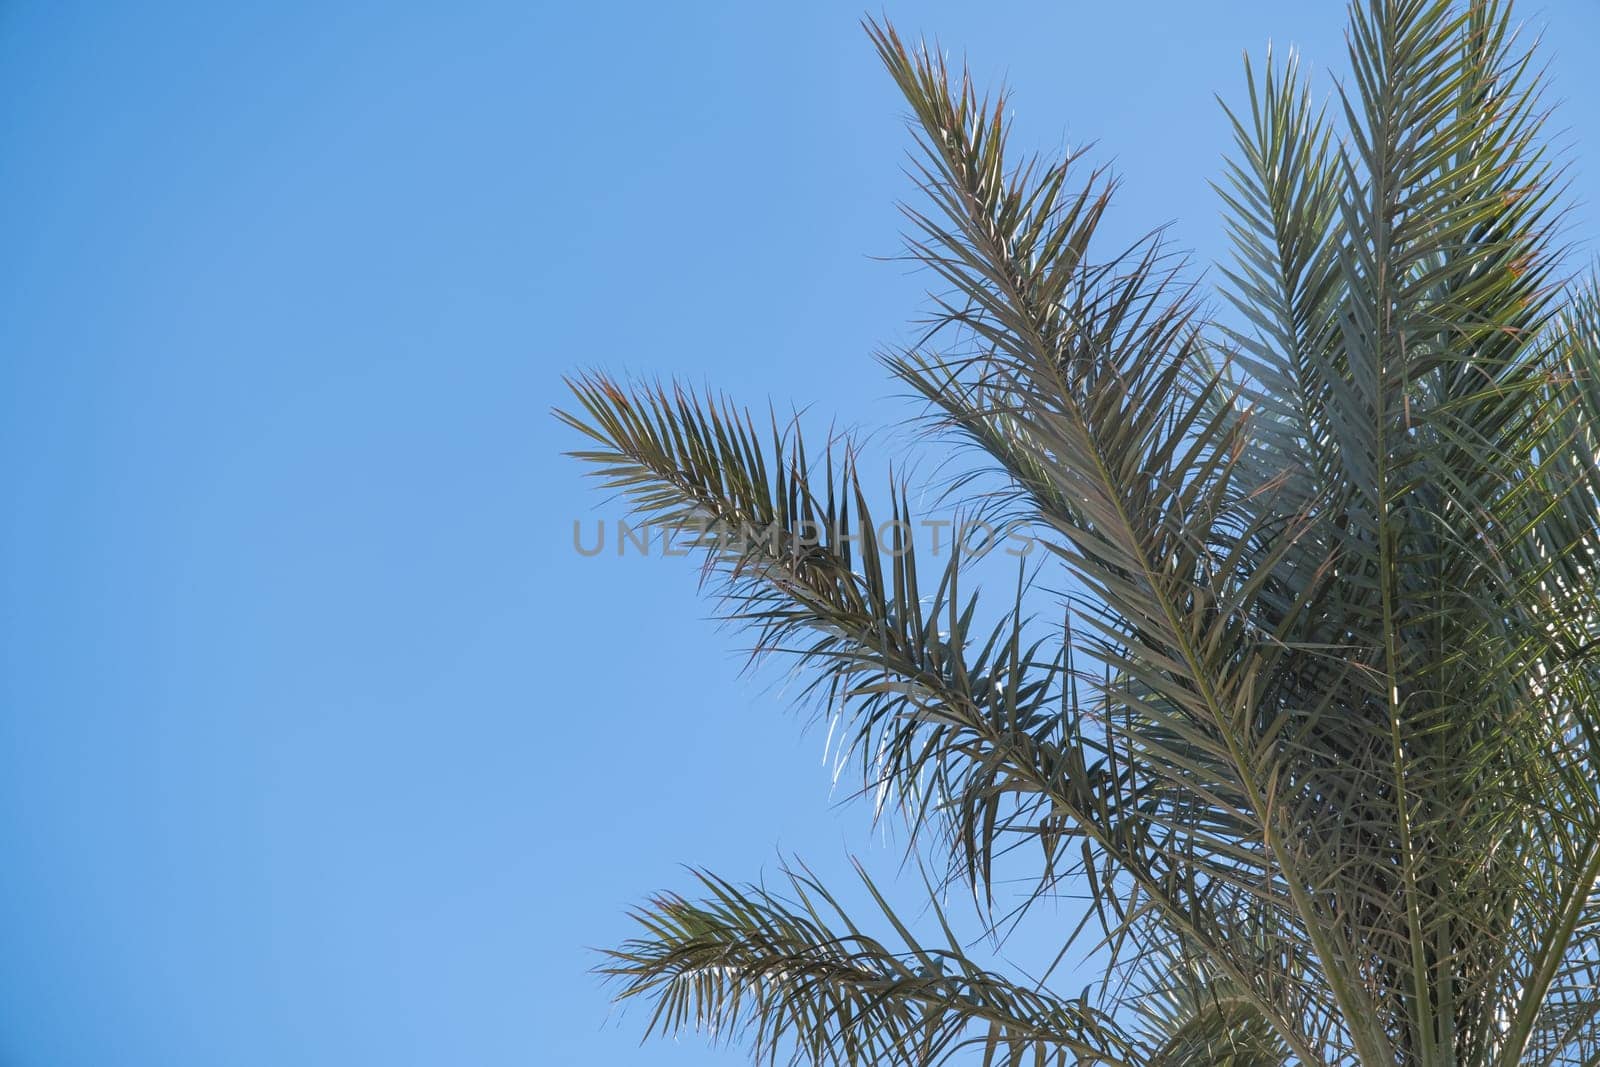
(318, 742)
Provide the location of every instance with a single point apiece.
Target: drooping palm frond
(799, 972)
(1189, 1016)
(1326, 722)
(962, 721)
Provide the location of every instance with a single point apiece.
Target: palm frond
(799, 973)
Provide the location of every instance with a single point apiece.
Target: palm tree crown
(1321, 728)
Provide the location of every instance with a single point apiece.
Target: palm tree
(1314, 711)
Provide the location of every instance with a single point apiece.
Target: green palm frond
(1191, 1017)
(746, 962)
(961, 720)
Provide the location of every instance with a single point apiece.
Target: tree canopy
(1314, 715)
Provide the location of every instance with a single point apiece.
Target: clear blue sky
(318, 743)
